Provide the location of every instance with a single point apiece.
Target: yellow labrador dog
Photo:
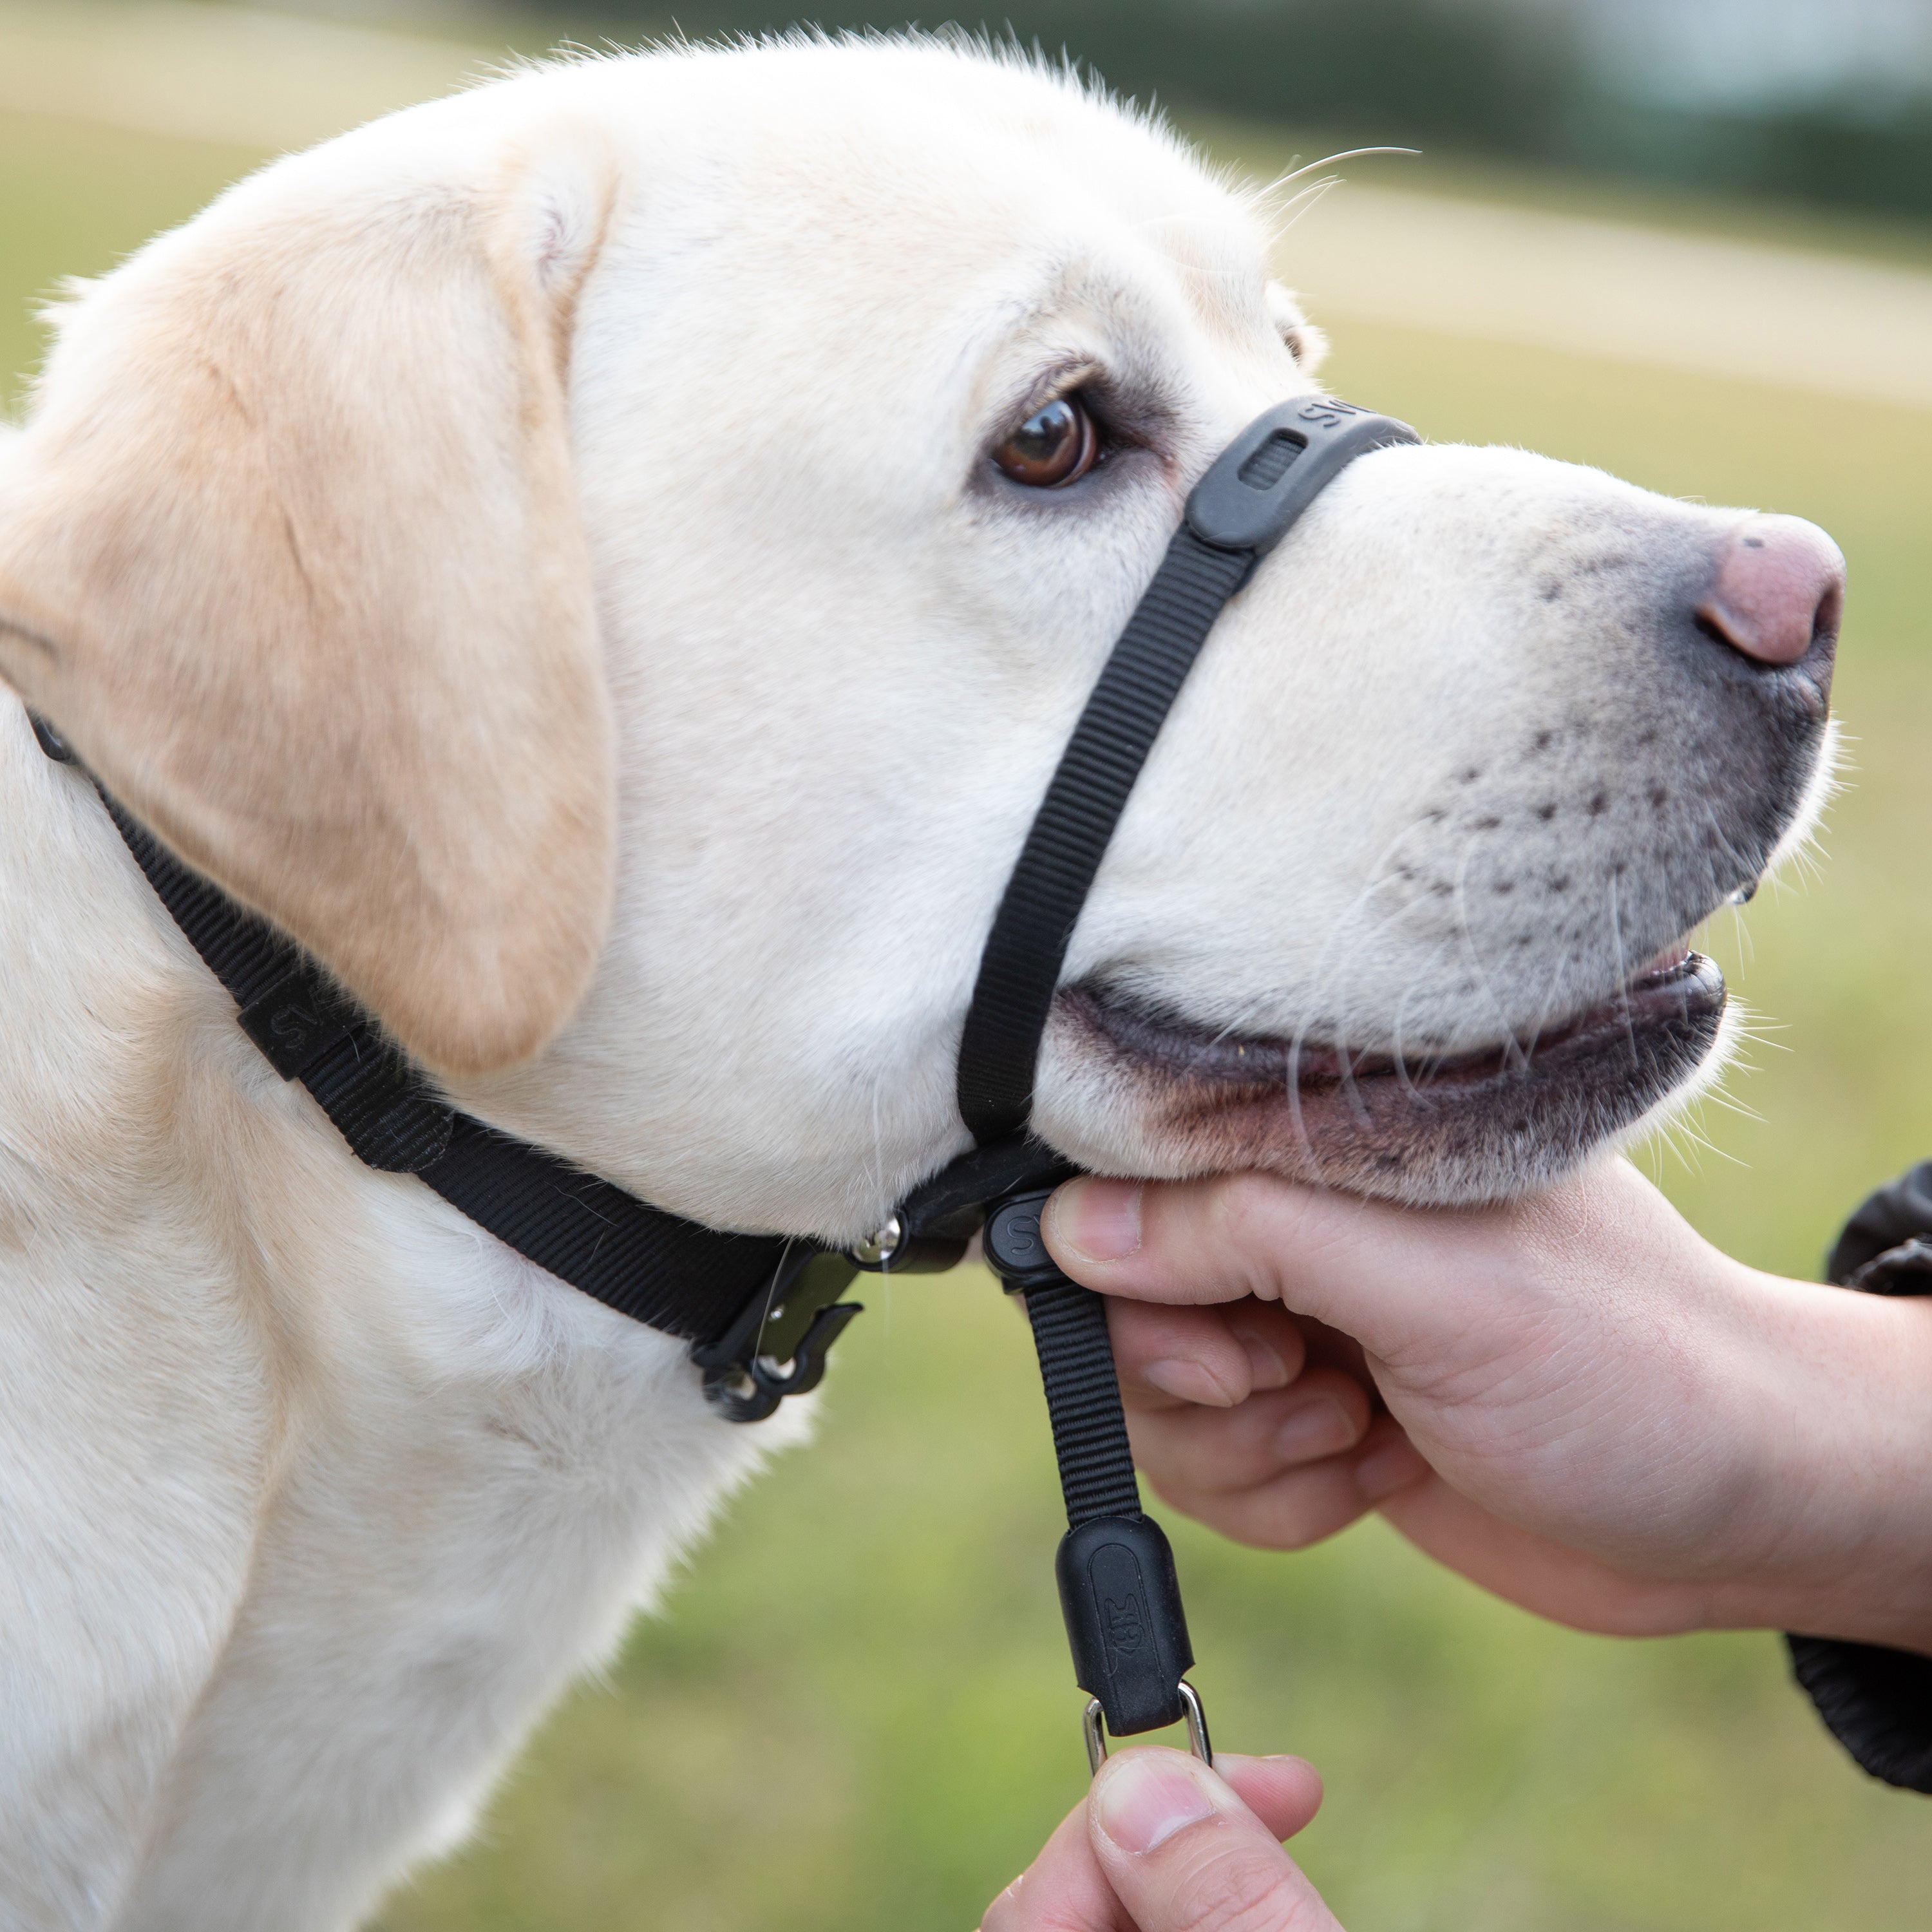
(609, 562)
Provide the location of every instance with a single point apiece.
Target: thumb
(1183, 1854)
(1384, 1274)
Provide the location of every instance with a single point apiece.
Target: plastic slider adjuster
(1257, 487)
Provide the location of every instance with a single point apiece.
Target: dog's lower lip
(1677, 984)
(1672, 960)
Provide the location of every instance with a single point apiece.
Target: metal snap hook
(1094, 1724)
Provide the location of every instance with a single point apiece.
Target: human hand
(1161, 1843)
(1572, 1399)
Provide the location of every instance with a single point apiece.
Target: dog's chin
(1480, 1126)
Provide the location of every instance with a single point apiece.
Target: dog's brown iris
(1053, 446)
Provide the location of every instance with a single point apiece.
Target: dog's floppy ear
(290, 554)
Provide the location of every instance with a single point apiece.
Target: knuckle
(1240, 1891)
(1245, 1215)
(1300, 1510)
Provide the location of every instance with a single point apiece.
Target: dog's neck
(111, 997)
(127, 1068)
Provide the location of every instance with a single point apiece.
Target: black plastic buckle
(777, 1345)
(951, 1205)
(1254, 490)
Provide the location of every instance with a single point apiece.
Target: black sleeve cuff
(1881, 1248)
(1877, 1703)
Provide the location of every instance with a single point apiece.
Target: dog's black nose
(1779, 588)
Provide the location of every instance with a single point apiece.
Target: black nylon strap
(677, 1275)
(1019, 971)
(1118, 1592)
(1083, 1401)
(308, 1028)
(670, 1274)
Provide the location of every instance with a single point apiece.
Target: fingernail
(1316, 1429)
(1099, 1220)
(1142, 1797)
(1384, 1470)
(1187, 1381)
(1265, 1366)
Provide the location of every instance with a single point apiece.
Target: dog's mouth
(1471, 1125)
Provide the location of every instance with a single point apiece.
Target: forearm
(1844, 1496)
(1767, 1466)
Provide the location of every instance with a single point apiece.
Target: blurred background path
(246, 77)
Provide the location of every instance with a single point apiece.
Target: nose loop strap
(1019, 971)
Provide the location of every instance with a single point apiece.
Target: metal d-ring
(1094, 1724)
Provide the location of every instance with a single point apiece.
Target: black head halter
(1117, 1587)
(761, 1311)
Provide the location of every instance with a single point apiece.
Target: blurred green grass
(855, 1711)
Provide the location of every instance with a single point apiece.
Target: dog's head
(610, 562)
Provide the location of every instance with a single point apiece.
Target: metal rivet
(881, 1246)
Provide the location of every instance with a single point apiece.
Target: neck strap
(760, 1310)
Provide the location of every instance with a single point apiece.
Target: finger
(1283, 1793)
(1210, 1357)
(1272, 1339)
(1185, 1855)
(1323, 1413)
(1329, 1348)
(1063, 1890)
(1302, 1506)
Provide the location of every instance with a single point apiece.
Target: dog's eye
(1056, 446)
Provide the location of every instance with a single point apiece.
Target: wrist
(1839, 1410)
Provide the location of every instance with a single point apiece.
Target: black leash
(761, 1311)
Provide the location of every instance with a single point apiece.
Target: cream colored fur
(539, 550)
